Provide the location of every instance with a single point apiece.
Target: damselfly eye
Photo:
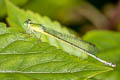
(26, 22)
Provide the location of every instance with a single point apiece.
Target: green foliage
(21, 58)
(21, 16)
(3, 6)
(52, 8)
(20, 2)
(108, 43)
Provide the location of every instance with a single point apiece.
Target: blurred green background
(82, 16)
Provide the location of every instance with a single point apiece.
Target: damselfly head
(27, 22)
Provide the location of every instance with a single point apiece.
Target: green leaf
(3, 28)
(108, 43)
(17, 21)
(3, 7)
(21, 58)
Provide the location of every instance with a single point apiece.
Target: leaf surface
(21, 16)
(21, 58)
(108, 43)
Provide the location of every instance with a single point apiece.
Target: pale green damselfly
(75, 42)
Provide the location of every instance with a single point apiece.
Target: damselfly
(75, 42)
